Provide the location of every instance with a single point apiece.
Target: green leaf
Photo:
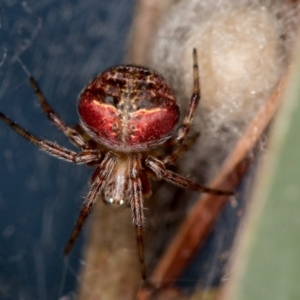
(267, 265)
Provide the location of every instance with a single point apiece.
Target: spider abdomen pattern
(129, 108)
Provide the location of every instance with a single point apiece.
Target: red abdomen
(129, 108)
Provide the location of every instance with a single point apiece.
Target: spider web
(64, 44)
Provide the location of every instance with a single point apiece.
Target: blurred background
(64, 44)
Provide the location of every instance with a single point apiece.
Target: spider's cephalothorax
(127, 111)
(129, 108)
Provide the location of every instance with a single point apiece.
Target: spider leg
(159, 169)
(136, 205)
(181, 149)
(84, 157)
(71, 133)
(103, 170)
(186, 124)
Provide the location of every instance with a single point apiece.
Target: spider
(128, 111)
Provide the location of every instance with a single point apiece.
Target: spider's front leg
(84, 157)
(136, 204)
(186, 124)
(103, 171)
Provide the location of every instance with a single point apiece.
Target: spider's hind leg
(72, 134)
(186, 124)
(84, 157)
(160, 171)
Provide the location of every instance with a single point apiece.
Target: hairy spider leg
(103, 171)
(84, 157)
(137, 207)
(69, 132)
(186, 124)
(181, 149)
(160, 171)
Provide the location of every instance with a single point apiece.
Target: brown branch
(204, 213)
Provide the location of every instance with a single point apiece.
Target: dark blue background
(64, 44)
